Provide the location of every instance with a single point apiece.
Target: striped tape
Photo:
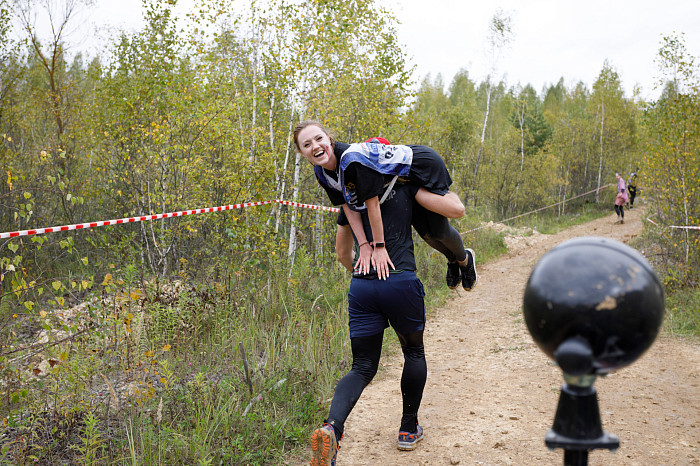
(142, 218)
(182, 213)
(678, 227)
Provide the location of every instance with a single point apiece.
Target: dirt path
(491, 394)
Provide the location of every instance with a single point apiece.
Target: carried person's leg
(436, 230)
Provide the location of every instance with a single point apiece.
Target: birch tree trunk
(295, 213)
(521, 120)
(600, 160)
(282, 184)
(253, 125)
(483, 130)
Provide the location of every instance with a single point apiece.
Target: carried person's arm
(355, 221)
(380, 257)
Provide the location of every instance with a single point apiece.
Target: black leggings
(366, 352)
(438, 233)
(620, 210)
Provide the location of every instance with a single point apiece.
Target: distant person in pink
(621, 198)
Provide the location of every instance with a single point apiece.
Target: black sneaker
(468, 271)
(452, 277)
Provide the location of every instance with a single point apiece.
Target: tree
(672, 159)
(616, 124)
(500, 36)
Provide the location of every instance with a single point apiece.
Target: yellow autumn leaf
(43, 314)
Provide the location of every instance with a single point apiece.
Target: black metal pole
(575, 457)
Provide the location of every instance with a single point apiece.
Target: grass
(549, 222)
(680, 281)
(683, 312)
(160, 376)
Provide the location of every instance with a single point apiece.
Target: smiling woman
(360, 177)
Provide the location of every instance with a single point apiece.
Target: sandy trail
(491, 393)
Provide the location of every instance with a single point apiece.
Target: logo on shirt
(350, 186)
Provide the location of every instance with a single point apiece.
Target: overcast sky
(552, 39)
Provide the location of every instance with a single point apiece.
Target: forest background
(217, 338)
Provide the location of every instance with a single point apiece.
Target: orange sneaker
(324, 446)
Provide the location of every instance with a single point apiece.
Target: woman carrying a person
(356, 176)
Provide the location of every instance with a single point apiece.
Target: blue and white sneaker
(409, 440)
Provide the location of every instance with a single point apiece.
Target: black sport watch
(379, 245)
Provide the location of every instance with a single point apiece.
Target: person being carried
(356, 176)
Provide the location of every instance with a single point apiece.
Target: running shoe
(409, 440)
(324, 446)
(452, 277)
(468, 271)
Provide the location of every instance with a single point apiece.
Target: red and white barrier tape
(678, 227)
(141, 218)
(182, 213)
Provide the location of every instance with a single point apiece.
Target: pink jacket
(622, 198)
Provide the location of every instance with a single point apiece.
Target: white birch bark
(600, 160)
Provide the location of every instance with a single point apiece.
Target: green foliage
(682, 309)
(671, 169)
(126, 344)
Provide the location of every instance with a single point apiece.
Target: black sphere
(597, 290)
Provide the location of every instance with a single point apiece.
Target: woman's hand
(365, 259)
(381, 263)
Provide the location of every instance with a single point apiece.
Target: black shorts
(429, 170)
(375, 304)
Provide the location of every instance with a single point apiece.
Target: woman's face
(315, 145)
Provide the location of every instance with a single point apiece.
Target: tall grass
(160, 377)
(680, 282)
(164, 371)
